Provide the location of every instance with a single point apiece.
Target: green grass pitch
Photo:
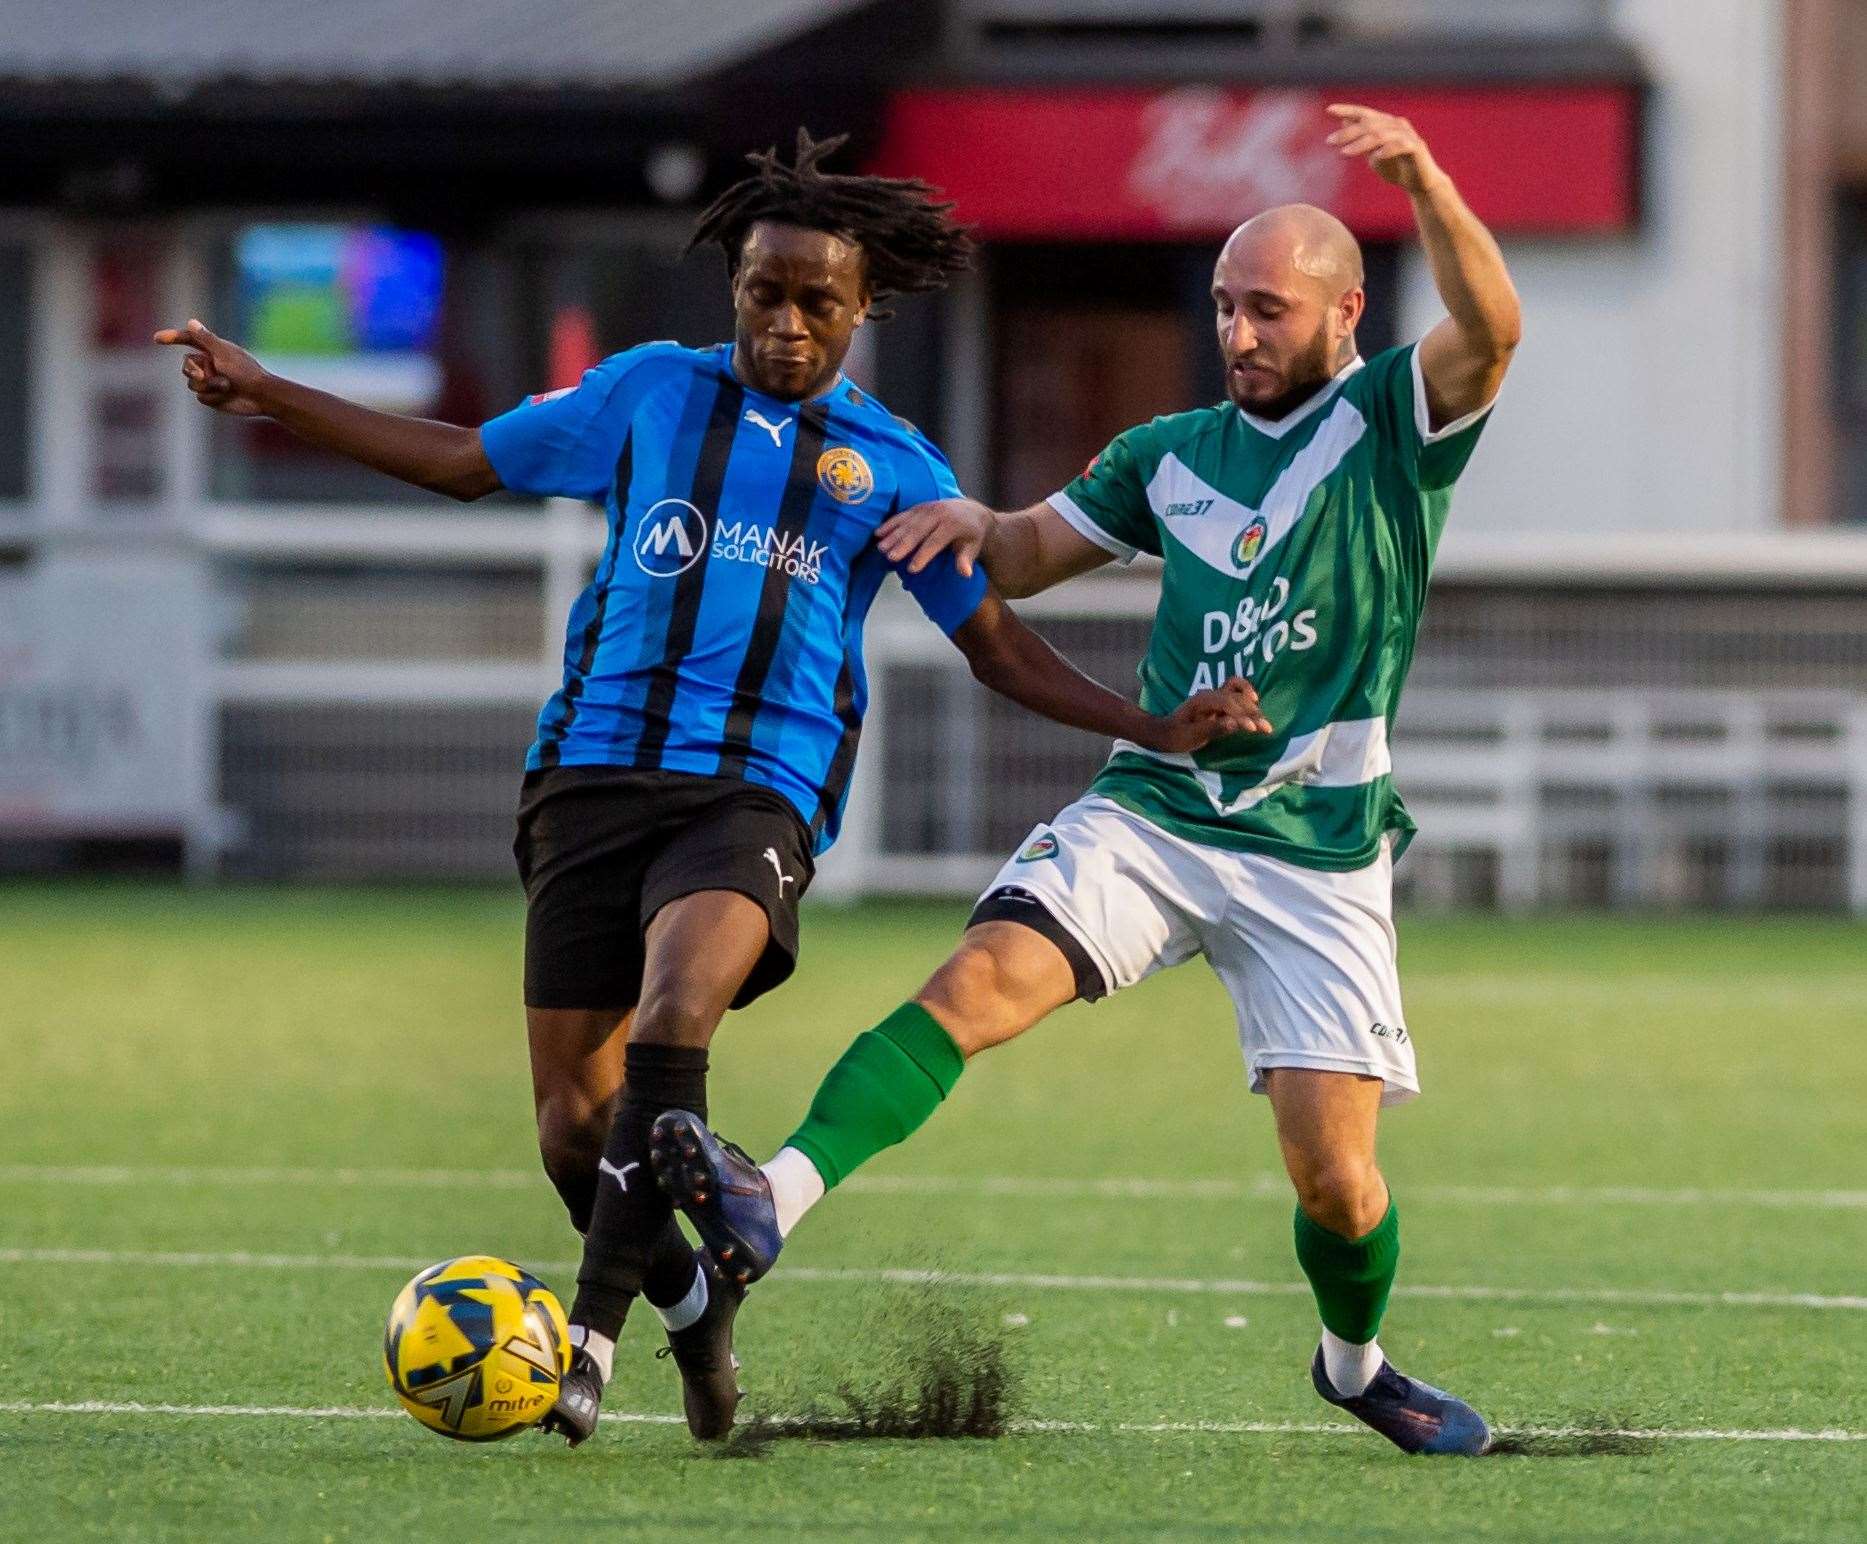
(1633, 1200)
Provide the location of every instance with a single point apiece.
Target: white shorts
(1308, 956)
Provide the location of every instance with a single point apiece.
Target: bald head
(1307, 240)
(1287, 287)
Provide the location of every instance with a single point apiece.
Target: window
(1851, 358)
(356, 309)
(15, 384)
(408, 322)
(1093, 339)
(128, 376)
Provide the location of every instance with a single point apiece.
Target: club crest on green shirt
(1250, 539)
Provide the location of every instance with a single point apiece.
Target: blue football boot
(1414, 1416)
(722, 1192)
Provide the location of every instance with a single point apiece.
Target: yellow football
(475, 1348)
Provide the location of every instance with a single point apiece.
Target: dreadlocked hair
(910, 242)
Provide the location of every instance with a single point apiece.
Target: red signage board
(1191, 162)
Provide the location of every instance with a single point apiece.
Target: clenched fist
(1210, 715)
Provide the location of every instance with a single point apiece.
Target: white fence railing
(345, 721)
(1621, 797)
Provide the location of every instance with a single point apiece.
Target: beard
(1312, 369)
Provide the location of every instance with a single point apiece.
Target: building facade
(215, 642)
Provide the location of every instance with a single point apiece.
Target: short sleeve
(564, 444)
(1108, 504)
(948, 597)
(1433, 458)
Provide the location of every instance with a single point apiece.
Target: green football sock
(1350, 1277)
(886, 1085)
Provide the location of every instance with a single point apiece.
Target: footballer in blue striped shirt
(697, 757)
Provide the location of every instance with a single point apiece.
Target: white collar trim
(1277, 428)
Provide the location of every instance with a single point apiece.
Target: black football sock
(671, 1265)
(627, 1226)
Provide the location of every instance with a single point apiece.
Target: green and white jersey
(1297, 555)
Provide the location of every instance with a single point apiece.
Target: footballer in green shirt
(1297, 523)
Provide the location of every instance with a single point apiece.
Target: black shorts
(602, 849)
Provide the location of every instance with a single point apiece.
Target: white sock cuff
(1350, 1368)
(689, 1308)
(601, 1348)
(796, 1186)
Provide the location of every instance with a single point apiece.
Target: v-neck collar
(1277, 428)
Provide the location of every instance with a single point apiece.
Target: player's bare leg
(1348, 1243)
(699, 951)
(1326, 1129)
(1000, 981)
(576, 1056)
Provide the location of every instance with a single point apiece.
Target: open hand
(221, 375)
(1392, 146)
(1211, 715)
(915, 537)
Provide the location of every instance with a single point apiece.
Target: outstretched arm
(1464, 358)
(446, 458)
(1024, 552)
(1014, 662)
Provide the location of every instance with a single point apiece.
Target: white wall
(1646, 396)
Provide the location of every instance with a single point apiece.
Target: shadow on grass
(1593, 1436)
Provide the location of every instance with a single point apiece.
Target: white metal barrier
(1655, 772)
(1738, 797)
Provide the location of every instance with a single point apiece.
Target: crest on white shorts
(1041, 847)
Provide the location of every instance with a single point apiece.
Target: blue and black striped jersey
(722, 632)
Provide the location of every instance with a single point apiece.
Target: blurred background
(1643, 674)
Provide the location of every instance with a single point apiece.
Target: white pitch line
(137, 1407)
(1274, 1187)
(1631, 1296)
(1020, 1428)
(1264, 1186)
(112, 1175)
(241, 1259)
(898, 1276)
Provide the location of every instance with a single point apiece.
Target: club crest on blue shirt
(1040, 847)
(844, 475)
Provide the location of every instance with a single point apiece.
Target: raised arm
(1023, 552)
(1464, 358)
(446, 458)
(1015, 662)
